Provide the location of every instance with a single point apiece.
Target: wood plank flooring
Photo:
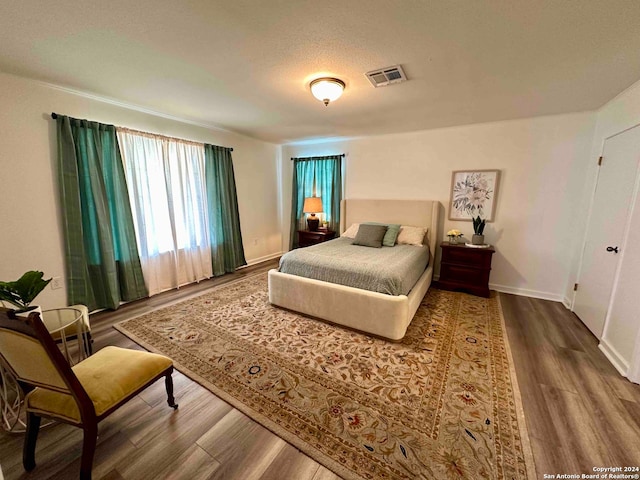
(580, 412)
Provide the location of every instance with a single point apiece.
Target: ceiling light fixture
(327, 89)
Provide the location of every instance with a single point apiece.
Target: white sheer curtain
(166, 183)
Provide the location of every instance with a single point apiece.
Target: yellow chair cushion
(108, 376)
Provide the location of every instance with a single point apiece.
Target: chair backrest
(33, 357)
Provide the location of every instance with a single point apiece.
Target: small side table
(307, 238)
(68, 324)
(465, 268)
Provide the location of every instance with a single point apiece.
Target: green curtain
(319, 176)
(103, 266)
(227, 251)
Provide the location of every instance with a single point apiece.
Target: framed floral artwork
(473, 193)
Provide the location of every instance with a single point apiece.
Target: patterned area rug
(441, 404)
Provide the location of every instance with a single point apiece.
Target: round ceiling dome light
(327, 89)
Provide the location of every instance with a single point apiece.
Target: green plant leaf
(478, 225)
(24, 290)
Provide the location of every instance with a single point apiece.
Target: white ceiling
(245, 65)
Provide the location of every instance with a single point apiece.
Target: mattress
(389, 270)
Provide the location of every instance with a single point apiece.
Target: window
(322, 177)
(167, 192)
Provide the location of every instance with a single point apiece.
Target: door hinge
(599, 161)
(575, 287)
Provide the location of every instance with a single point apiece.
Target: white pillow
(411, 235)
(352, 231)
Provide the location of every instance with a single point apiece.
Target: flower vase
(453, 240)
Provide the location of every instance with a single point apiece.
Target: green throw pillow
(393, 230)
(370, 235)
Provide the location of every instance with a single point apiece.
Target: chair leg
(168, 381)
(87, 342)
(88, 450)
(29, 452)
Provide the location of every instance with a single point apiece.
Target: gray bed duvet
(388, 270)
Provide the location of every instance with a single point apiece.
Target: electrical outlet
(56, 283)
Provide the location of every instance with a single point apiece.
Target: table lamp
(312, 205)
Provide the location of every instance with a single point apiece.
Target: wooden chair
(81, 396)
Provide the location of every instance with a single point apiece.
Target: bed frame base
(383, 315)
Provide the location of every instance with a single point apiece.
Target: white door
(609, 216)
(621, 335)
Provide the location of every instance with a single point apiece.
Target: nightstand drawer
(467, 256)
(463, 274)
(307, 238)
(313, 237)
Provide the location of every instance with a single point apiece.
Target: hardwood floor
(580, 412)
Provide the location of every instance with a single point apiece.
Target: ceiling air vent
(386, 76)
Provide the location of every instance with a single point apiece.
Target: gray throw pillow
(393, 229)
(370, 235)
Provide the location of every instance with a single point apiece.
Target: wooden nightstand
(307, 238)
(465, 268)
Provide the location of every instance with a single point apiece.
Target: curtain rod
(300, 158)
(54, 115)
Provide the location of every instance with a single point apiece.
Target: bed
(377, 313)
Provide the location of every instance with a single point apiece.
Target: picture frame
(473, 193)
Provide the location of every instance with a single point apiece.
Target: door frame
(592, 199)
(632, 372)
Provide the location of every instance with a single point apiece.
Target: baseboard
(566, 301)
(614, 357)
(263, 259)
(528, 293)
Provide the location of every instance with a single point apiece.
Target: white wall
(621, 335)
(542, 161)
(31, 236)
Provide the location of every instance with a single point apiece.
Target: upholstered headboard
(422, 213)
